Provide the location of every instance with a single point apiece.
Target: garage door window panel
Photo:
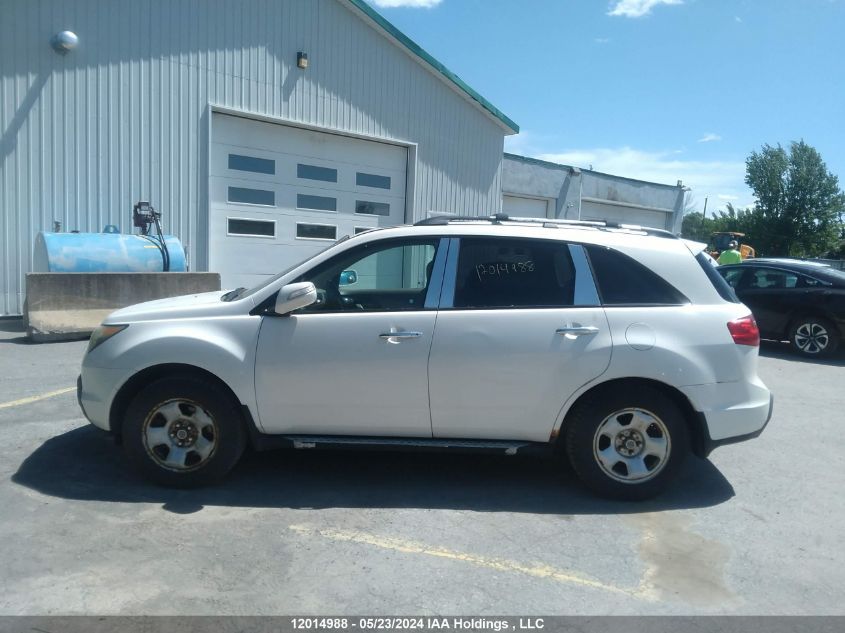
(372, 180)
(381, 277)
(241, 162)
(316, 231)
(363, 207)
(308, 202)
(247, 227)
(246, 195)
(315, 172)
(514, 273)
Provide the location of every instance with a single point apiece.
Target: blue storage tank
(104, 253)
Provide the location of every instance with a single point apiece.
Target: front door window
(376, 277)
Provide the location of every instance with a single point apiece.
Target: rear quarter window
(622, 280)
(722, 287)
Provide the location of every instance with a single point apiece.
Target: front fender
(224, 347)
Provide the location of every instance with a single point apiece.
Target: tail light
(744, 331)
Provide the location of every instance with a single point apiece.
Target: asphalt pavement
(756, 529)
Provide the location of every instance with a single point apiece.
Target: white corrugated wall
(125, 116)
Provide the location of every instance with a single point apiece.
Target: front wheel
(183, 432)
(627, 443)
(812, 336)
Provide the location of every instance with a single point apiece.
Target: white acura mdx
(620, 346)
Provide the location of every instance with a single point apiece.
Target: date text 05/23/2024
(417, 624)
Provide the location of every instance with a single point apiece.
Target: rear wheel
(627, 443)
(183, 432)
(813, 336)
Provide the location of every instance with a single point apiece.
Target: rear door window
(771, 279)
(733, 276)
(514, 273)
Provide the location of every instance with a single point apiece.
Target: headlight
(104, 333)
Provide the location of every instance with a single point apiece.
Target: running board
(508, 447)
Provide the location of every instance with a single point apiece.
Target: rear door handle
(390, 335)
(587, 330)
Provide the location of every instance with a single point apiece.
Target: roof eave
(417, 51)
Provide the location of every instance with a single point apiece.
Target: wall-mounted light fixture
(302, 60)
(64, 42)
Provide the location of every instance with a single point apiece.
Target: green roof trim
(420, 52)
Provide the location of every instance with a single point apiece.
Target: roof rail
(443, 220)
(499, 218)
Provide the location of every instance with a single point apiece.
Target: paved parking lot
(757, 529)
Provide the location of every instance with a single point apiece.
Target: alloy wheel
(811, 338)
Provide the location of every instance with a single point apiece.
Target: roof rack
(499, 218)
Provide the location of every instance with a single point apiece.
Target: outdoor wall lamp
(302, 60)
(64, 42)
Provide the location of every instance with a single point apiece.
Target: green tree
(696, 227)
(799, 204)
(737, 220)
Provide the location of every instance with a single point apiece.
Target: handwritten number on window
(501, 269)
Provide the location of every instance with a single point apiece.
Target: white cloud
(707, 178)
(601, 40)
(415, 4)
(709, 138)
(637, 8)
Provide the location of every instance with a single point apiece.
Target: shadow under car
(85, 464)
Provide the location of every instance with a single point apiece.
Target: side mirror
(348, 277)
(294, 296)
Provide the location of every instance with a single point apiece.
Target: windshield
(242, 293)
(721, 241)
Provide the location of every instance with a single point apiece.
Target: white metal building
(536, 188)
(204, 109)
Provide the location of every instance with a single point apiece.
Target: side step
(508, 447)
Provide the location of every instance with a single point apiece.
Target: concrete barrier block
(69, 306)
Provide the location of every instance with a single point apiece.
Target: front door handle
(390, 335)
(587, 330)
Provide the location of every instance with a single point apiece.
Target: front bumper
(79, 394)
(95, 389)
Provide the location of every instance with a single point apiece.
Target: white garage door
(520, 207)
(623, 215)
(280, 194)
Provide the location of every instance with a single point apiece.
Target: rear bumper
(709, 443)
(730, 412)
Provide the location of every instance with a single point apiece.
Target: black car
(797, 301)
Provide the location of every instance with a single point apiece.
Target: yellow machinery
(720, 242)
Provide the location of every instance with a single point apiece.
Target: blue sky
(654, 89)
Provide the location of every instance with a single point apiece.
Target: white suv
(620, 345)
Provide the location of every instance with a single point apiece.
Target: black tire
(202, 412)
(599, 411)
(813, 337)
